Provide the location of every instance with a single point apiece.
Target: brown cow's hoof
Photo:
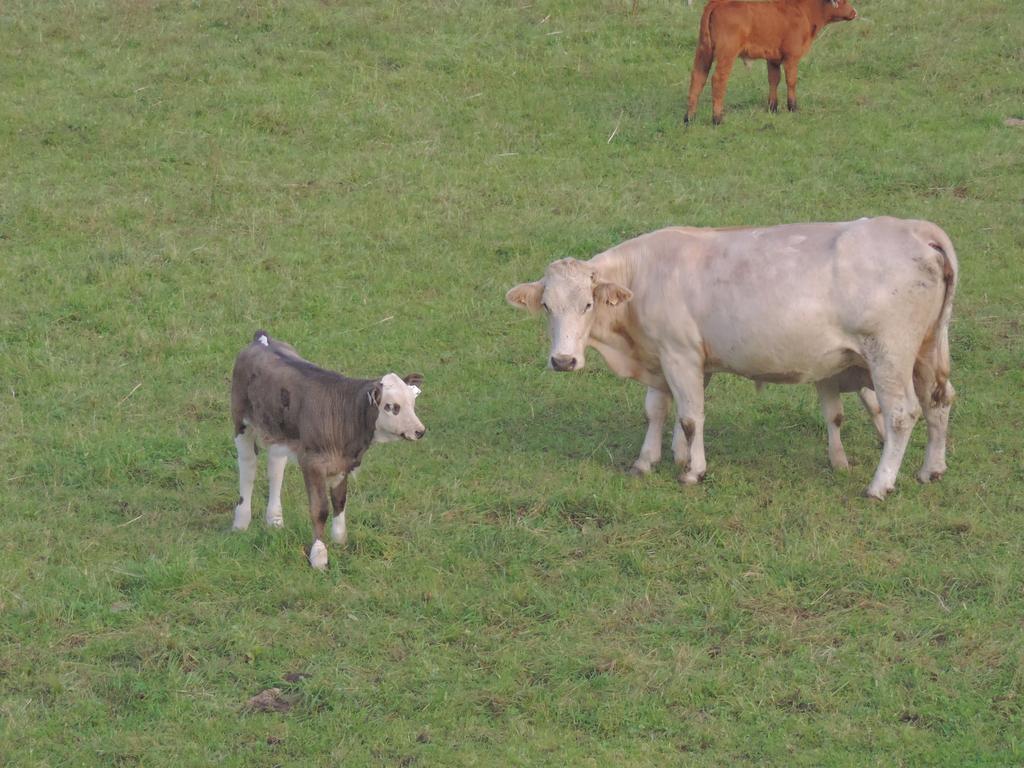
(717, 120)
(791, 106)
(773, 107)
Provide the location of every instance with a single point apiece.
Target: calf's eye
(396, 408)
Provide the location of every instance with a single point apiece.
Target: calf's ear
(612, 293)
(377, 392)
(526, 296)
(414, 379)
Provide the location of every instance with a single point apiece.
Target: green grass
(366, 181)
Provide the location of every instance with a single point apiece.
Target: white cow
(844, 305)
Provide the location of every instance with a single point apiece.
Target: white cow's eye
(545, 306)
(587, 308)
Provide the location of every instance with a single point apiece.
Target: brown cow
(779, 31)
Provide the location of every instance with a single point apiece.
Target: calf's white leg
(245, 442)
(339, 497)
(656, 406)
(316, 489)
(277, 460)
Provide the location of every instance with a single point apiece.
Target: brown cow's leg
(718, 84)
(791, 74)
(317, 491)
(698, 77)
(339, 495)
(774, 75)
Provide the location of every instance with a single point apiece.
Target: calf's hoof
(318, 555)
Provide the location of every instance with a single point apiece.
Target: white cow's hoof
(691, 478)
(878, 493)
(639, 468)
(318, 555)
(840, 463)
(242, 518)
(275, 519)
(927, 475)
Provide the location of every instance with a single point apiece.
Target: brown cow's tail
(936, 354)
(705, 46)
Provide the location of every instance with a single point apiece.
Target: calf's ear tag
(415, 390)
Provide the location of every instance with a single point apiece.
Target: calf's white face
(397, 403)
(571, 293)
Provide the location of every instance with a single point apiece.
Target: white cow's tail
(937, 356)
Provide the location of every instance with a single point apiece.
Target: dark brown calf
(320, 419)
(779, 31)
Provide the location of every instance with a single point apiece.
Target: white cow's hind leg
(832, 412)
(870, 401)
(245, 442)
(656, 406)
(900, 410)
(277, 460)
(936, 416)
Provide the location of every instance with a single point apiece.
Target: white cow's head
(572, 295)
(396, 400)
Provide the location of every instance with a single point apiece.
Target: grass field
(365, 180)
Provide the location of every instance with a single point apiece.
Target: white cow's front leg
(277, 460)
(686, 379)
(245, 442)
(832, 412)
(656, 406)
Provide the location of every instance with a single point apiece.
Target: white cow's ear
(612, 294)
(526, 296)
